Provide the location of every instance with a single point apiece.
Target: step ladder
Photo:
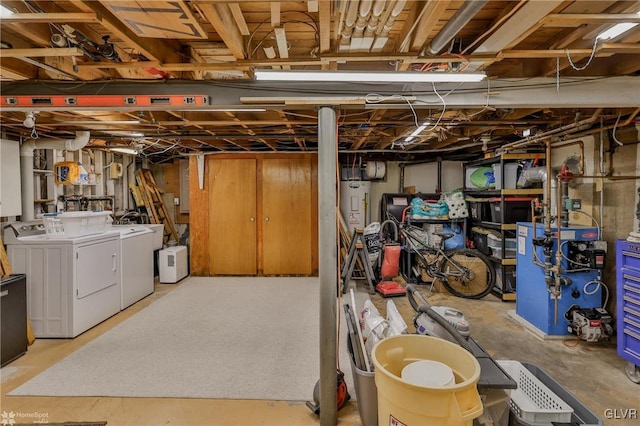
(151, 197)
(357, 251)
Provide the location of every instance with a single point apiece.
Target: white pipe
(349, 22)
(26, 164)
(363, 15)
(397, 10)
(374, 19)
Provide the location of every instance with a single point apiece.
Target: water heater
(355, 203)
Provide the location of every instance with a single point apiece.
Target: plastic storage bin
(480, 242)
(509, 280)
(479, 210)
(366, 391)
(77, 224)
(515, 210)
(510, 175)
(533, 401)
(581, 414)
(402, 403)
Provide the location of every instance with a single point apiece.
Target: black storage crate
(515, 210)
(479, 210)
(480, 243)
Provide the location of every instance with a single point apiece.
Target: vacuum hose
(425, 308)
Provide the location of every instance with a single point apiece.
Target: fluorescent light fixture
(130, 151)
(418, 130)
(369, 76)
(135, 135)
(409, 138)
(5, 11)
(616, 30)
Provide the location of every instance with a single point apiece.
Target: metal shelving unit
(506, 228)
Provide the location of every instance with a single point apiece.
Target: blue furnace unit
(534, 303)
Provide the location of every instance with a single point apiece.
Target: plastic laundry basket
(401, 403)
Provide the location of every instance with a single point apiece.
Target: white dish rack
(77, 224)
(533, 401)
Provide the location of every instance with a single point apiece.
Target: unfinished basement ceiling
(181, 73)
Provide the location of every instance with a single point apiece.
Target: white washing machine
(136, 262)
(72, 283)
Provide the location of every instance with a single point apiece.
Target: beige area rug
(227, 337)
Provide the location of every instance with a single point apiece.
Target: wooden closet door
(232, 217)
(286, 221)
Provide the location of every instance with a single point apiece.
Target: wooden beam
(325, 26)
(239, 18)
(577, 19)
(275, 14)
(10, 72)
(220, 16)
(46, 18)
(152, 49)
(40, 52)
(533, 54)
(431, 14)
(281, 41)
(372, 124)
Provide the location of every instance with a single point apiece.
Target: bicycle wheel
(468, 273)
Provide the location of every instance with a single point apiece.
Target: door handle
(4, 293)
(113, 262)
(266, 219)
(253, 219)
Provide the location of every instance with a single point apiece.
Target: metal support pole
(439, 184)
(328, 262)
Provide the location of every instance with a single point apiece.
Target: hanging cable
(613, 133)
(593, 53)
(557, 74)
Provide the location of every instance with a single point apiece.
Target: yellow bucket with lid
(401, 403)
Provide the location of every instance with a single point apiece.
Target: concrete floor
(592, 372)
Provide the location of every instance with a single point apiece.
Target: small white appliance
(173, 264)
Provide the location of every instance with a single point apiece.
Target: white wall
(389, 185)
(10, 187)
(425, 176)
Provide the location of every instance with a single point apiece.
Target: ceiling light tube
(123, 150)
(617, 30)
(5, 12)
(369, 77)
(419, 130)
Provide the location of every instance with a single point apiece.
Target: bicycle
(464, 272)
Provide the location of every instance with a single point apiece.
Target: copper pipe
(547, 197)
(542, 136)
(557, 268)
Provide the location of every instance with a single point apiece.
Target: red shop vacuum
(390, 267)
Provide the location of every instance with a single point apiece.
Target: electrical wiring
(375, 98)
(593, 219)
(434, 126)
(593, 53)
(584, 267)
(613, 133)
(598, 283)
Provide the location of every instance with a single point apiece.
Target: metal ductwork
(26, 164)
(468, 10)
